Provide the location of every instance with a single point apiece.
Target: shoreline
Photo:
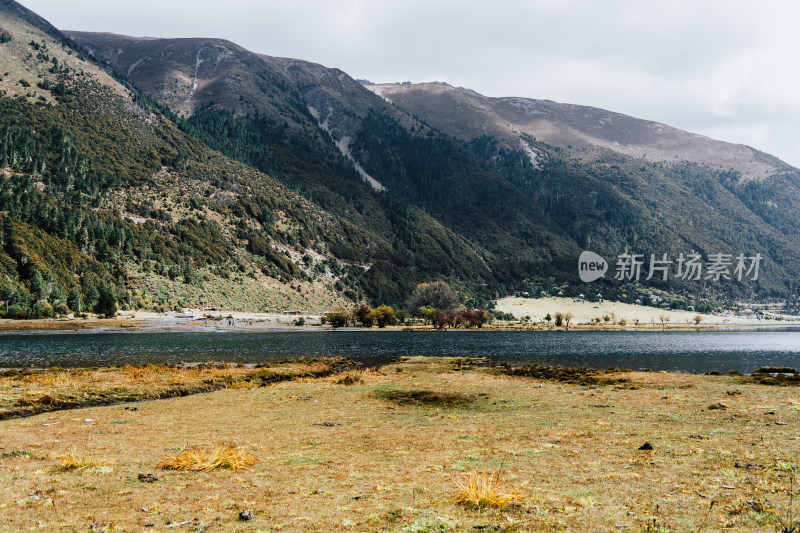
(584, 315)
(257, 324)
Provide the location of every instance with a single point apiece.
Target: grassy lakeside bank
(386, 453)
(41, 324)
(27, 392)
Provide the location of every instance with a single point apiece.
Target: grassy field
(388, 449)
(645, 316)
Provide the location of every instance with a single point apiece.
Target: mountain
(196, 170)
(531, 182)
(580, 129)
(101, 189)
(310, 122)
(700, 193)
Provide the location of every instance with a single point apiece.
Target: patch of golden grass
(485, 489)
(210, 458)
(76, 462)
(144, 373)
(349, 378)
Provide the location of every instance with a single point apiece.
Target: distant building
(293, 313)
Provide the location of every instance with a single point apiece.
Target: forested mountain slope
(503, 174)
(97, 173)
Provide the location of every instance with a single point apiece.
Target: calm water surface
(689, 351)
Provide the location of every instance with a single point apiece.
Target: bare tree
(436, 295)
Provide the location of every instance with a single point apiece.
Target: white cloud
(720, 68)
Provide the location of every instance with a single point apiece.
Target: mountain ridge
(539, 199)
(505, 115)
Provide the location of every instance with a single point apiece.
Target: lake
(687, 351)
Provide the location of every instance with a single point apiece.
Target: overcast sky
(720, 68)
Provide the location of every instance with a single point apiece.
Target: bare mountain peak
(10, 8)
(582, 129)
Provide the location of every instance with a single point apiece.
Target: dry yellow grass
(343, 458)
(200, 458)
(26, 392)
(76, 462)
(481, 489)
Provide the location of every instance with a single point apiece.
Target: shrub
(363, 316)
(438, 295)
(106, 301)
(16, 312)
(384, 316)
(42, 309)
(337, 317)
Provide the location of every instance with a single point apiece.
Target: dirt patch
(427, 397)
(574, 375)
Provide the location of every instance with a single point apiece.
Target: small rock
(88, 421)
(646, 446)
(779, 423)
(148, 478)
(328, 424)
(357, 497)
(150, 524)
(246, 515)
